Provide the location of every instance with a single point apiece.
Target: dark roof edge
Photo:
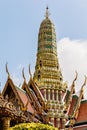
(78, 124)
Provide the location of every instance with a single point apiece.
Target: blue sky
(19, 26)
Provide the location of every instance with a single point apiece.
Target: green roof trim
(48, 46)
(75, 96)
(67, 96)
(82, 121)
(48, 39)
(84, 101)
(50, 33)
(78, 124)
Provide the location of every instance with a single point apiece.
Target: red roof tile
(82, 112)
(73, 104)
(25, 99)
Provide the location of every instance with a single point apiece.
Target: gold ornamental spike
(7, 70)
(30, 72)
(23, 74)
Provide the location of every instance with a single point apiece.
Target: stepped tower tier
(47, 70)
(48, 74)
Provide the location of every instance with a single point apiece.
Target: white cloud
(73, 56)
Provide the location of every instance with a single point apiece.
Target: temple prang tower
(45, 98)
(48, 74)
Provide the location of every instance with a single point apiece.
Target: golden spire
(7, 70)
(23, 75)
(47, 70)
(47, 13)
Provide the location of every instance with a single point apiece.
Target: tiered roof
(76, 107)
(27, 99)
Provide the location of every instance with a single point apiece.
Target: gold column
(6, 123)
(63, 124)
(71, 124)
(60, 96)
(52, 120)
(58, 122)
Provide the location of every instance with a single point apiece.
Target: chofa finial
(47, 13)
(30, 72)
(82, 88)
(84, 82)
(75, 76)
(73, 83)
(23, 74)
(7, 70)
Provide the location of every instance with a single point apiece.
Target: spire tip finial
(47, 12)
(47, 8)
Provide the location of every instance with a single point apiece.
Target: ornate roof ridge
(76, 110)
(72, 91)
(21, 89)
